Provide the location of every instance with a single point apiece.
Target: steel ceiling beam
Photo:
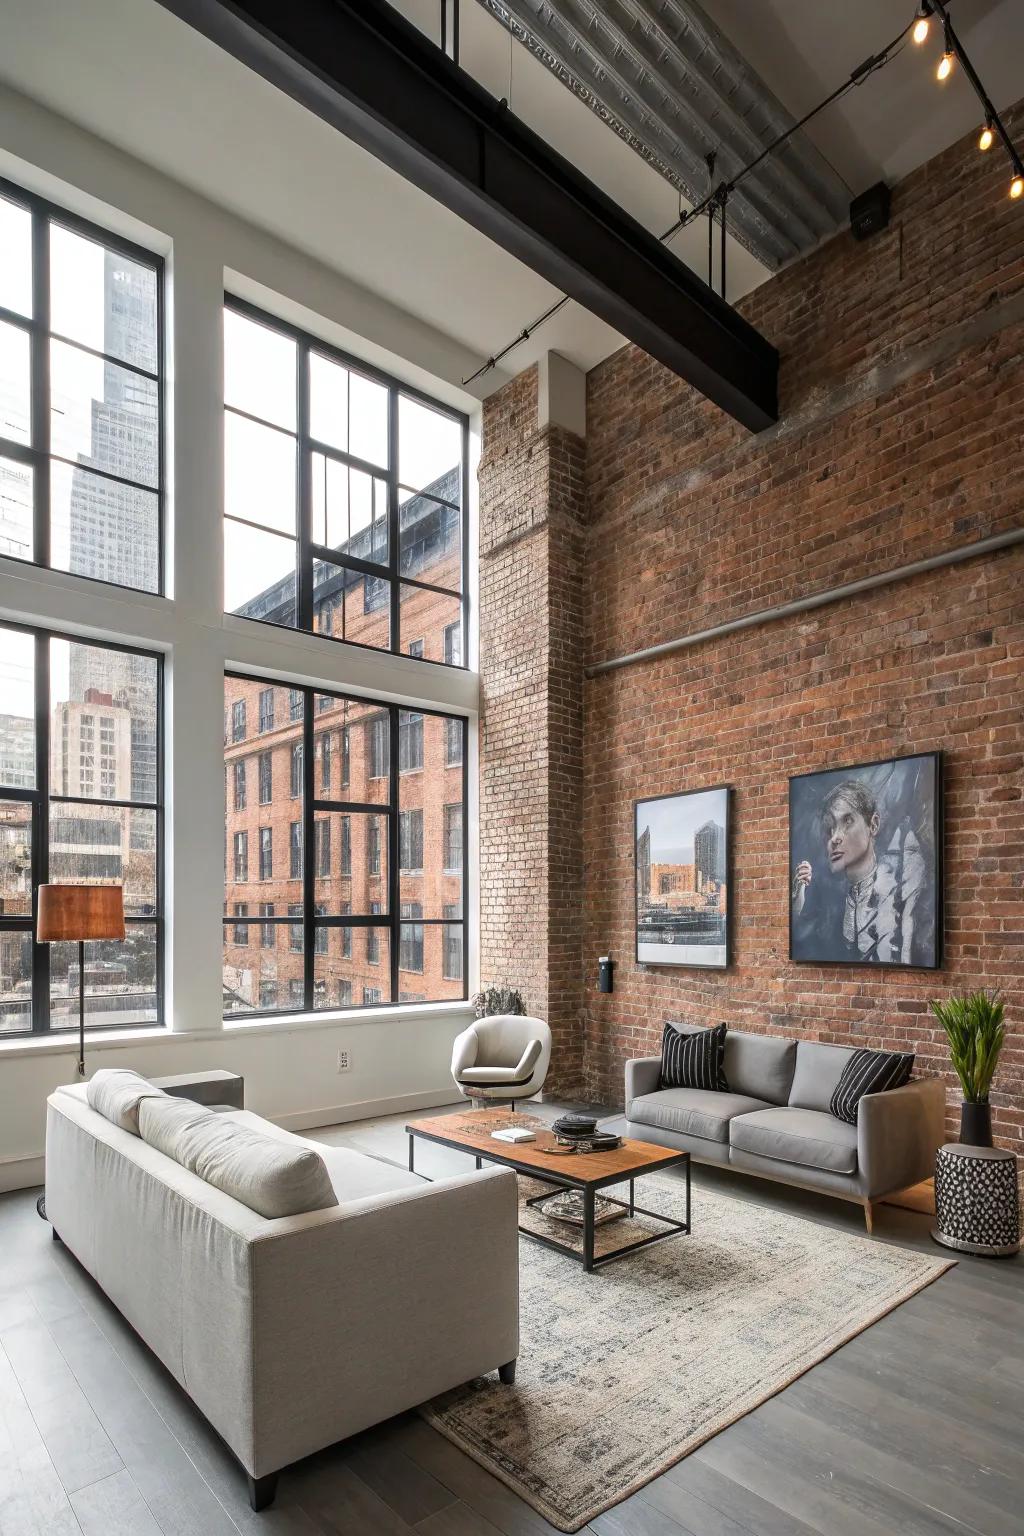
(365, 70)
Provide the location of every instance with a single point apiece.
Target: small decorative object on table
(568, 1205)
(579, 1133)
(977, 1208)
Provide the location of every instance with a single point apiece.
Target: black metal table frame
(589, 1188)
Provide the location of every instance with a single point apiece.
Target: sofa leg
(262, 1490)
(507, 1373)
(869, 1216)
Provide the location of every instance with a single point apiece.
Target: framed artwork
(865, 864)
(682, 879)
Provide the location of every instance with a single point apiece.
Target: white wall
(400, 1059)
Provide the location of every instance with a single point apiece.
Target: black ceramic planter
(975, 1125)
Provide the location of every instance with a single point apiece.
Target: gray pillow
(272, 1177)
(818, 1070)
(116, 1093)
(163, 1121)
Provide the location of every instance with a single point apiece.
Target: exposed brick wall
(902, 387)
(531, 625)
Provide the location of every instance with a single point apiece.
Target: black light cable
(918, 27)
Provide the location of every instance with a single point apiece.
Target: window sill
(67, 1044)
(383, 1013)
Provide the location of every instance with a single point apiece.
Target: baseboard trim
(366, 1109)
(20, 1173)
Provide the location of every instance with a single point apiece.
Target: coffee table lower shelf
(588, 1187)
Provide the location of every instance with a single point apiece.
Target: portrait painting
(865, 864)
(682, 879)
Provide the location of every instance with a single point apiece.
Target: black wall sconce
(605, 966)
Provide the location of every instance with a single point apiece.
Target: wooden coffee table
(585, 1171)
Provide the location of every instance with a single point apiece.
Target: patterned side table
(977, 1207)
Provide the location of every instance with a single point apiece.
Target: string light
(945, 68)
(986, 138)
(1017, 187)
(920, 32)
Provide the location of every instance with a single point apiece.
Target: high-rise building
(709, 853)
(17, 751)
(113, 529)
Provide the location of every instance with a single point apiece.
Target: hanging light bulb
(945, 68)
(986, 138)
(920, 31)
(1017, 187)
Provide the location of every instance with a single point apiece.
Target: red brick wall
(902, 387)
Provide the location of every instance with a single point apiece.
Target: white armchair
(502, 1058)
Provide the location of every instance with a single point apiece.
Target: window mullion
(394, 559)
(394, 916)
(39, 434)
(304, 493)
(308, 850)
(41, 837)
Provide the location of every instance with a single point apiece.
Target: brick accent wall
(902, 389)
(531, 637)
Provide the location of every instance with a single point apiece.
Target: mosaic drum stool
(977, 1209)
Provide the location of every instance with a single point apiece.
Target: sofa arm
(643, 1075)
(898, 1134)
(363, 1311)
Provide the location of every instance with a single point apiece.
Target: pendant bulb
(920, 31)
(1017, 187)
(986, 138)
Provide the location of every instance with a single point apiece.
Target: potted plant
(975, 1031)
(493, 1000)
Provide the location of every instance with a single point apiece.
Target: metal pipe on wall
(993, 545)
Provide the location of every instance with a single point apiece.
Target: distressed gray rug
(626, 1370)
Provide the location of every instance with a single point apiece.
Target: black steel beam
(363, 68)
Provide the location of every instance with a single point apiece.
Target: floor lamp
(79, 914)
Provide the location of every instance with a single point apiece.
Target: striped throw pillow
(868, 1072)
(693, 1060)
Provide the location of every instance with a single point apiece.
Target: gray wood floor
(914, 1427)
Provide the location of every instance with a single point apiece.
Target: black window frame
(36, 453)
(265, 762)
(308, 552)
(390, 810)
(41, 799)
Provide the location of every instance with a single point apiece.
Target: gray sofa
(775, 1122)
(292, 1333)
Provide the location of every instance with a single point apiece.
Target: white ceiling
(136, 76)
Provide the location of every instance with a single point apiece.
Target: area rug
(626, 1370)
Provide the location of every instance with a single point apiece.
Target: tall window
(411, 945)
(410, 741)
(81, 386)
(385, 860)
(240, 784)
(70, 707)
(266, 772)
(343, 497)
(324, 752)
(241, 857)
(452, 854)
(296, 770)
(266, 709)
(410, 840)
(346, 757)
(453, 644)
(238, 720)
(453, 743)
(241, 928)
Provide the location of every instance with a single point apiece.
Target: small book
(515, 1133)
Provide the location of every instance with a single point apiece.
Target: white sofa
(294, 1333)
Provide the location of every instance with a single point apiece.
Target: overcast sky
(673, 822)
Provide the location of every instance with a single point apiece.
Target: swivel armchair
(502, 1059)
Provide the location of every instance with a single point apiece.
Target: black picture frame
(907, 793)
(657, 952)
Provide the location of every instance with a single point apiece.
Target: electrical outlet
(344, 1061)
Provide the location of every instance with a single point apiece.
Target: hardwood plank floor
(912, 1427)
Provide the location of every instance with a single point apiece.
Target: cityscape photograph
(682, 907)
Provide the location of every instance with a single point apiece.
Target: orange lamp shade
(80, 912)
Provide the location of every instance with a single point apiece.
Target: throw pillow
(868, 1072)
(272, 1177)
(163, 1123)
(693, 1059)
(116, 1093)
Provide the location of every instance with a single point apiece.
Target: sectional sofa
(775, 1122)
